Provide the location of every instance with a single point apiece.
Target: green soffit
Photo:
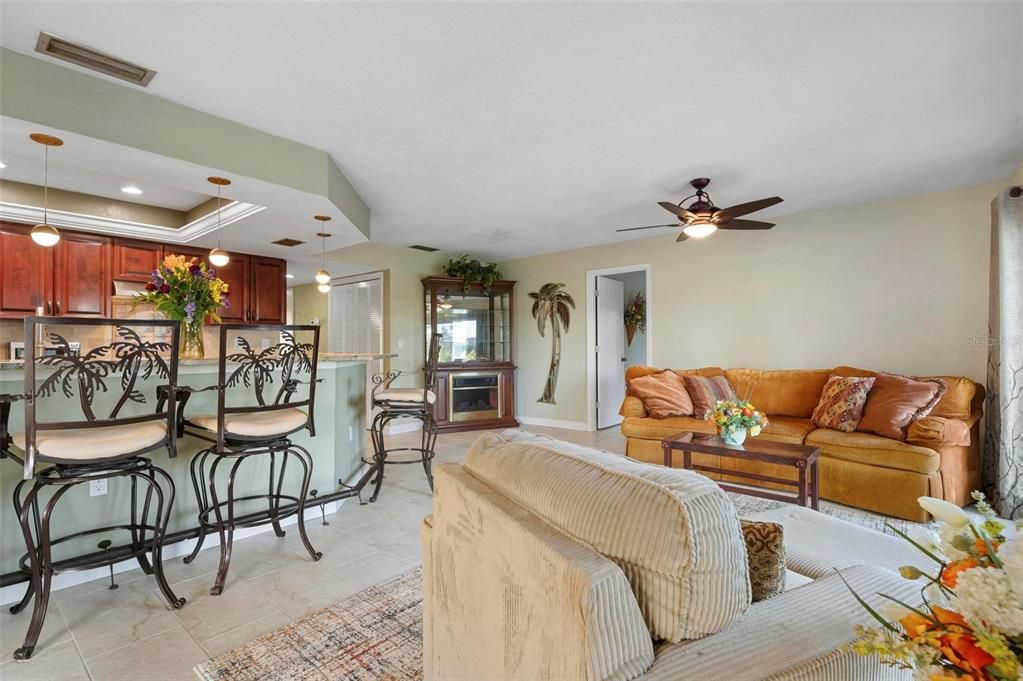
(62, 98)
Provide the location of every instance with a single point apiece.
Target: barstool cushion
(404, 395)
(255, 424)
(82, 444)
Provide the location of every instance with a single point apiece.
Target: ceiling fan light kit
(702, 218)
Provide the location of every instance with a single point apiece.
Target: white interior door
(610, 351)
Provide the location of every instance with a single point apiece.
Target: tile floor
(95, 634)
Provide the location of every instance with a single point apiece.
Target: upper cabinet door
(135, 260)
(26, 273)
(236, 275)
(82, 283)
(267, 293)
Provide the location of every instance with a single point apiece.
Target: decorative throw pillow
(896, 401)
(765, 553)
(841, 403)
(664, 394)
(705, 391)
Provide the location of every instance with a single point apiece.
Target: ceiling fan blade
(633, 229)
(677, 210)
(682, 237)
(747, 208)
(745, 224)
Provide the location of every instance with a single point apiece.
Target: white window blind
(356, 316)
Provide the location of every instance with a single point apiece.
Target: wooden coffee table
(802, 457)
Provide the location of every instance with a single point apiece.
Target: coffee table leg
(687, 459)
(666, 449)
(815, 489)
(802, 486)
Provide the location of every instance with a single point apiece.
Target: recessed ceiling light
(289, 276)
(131, 189)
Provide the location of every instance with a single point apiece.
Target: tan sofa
(940, 457)
(510, 595)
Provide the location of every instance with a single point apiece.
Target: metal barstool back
(394, 403)
(274, 410)
(107, 441)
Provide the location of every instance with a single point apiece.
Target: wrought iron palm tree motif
(551, 304)
(136, 359)
(293, 357)
(257, 369)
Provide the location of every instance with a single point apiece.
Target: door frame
(591, 331)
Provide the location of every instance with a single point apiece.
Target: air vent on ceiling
(290, 243)
(428, 249)
(87, 57)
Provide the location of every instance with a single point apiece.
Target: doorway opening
(608, 350)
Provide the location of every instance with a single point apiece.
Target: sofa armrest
(632, 406)
(939, 431)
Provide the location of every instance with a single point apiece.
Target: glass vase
(733, 437)
(191, 345)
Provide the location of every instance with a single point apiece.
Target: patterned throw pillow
(896, 401)
(664, 394)
(705, 391)
(841, 403)
(765, 553)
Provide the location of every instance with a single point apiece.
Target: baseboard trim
(552, 423)
(13, 593)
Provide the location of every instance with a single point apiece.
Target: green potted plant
(472, 271)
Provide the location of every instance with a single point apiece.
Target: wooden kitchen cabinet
(136, 260)
(26, 273)
(267, 292)
(236, 274)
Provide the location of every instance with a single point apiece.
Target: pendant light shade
(218, 256)
(44, 233)
(323, 276)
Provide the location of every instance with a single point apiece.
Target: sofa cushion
(780, 392)
(663, 394)
(841, 404)
(787, 429)
(874, 450)
(643, 370)
(674, 533)
(706, 392)
(937, 431)
(657, 429)
(957, 401)
(765, 554)
(896, 401)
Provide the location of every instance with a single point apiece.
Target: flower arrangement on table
(188, 291)
(734, 418)
(635, 317)
(970, 624)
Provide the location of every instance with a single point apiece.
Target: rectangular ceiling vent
(290, 243)
(428, 249)
(89, 58)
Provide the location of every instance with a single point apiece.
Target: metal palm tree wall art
(551, 304)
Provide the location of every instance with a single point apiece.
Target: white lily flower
(944, 511)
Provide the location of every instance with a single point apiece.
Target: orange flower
(962, 651)
(915, 625)
(947, 617)
(950, 575)
(982, 547)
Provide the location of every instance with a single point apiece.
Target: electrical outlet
(97, 488)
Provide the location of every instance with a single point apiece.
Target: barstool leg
(41, 564)
(379, 451)
(160, 532)
(275, 500)
(306, 459)
(198, 473)
(226, 530)
(429, 442)
(138, 530)
(29, 589)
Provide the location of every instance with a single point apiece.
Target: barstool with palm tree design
(274, 409)
(397, 403)
(109, 384)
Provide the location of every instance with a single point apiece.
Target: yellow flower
(172, 261)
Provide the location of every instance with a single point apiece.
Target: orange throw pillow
(664, 394)
(841, 403)
(706, 391)
(896, 401)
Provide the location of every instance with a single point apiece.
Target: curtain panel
(1003, 444)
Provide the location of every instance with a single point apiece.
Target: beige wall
(311, 304)
(898, 285)
(75, 202)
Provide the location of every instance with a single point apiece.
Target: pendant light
(218, 256)
(44, 233)
(323, 276)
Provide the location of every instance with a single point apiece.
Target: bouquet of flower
(970, 624)
(185, 290)
(635, 317)
(734, 417)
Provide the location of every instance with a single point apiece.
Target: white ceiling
(511, 129)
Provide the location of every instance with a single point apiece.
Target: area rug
(747, 505)
(374, 635)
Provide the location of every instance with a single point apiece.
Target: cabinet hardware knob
(47, 307)
(58, 307)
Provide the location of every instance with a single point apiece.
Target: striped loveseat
(546, 560)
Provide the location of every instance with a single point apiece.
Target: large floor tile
(239, 636)
(14, 627)
(206, 616)
(106, 620)
(372, 569)
(170, 656)
(300, 589)
(59, 662)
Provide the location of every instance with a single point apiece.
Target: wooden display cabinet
(475, 373)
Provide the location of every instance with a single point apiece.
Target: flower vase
(191, 345)
(630, 333)
(733, 437)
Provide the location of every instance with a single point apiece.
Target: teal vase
(733, 437)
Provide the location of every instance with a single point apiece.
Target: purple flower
(195, 270)
(190, 312)
(211, 273)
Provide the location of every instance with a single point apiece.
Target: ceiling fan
(702, 218)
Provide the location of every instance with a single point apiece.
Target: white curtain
(1003, 444)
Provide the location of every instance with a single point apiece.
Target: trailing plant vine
(472, 271)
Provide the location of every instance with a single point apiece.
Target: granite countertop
(17, 364)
